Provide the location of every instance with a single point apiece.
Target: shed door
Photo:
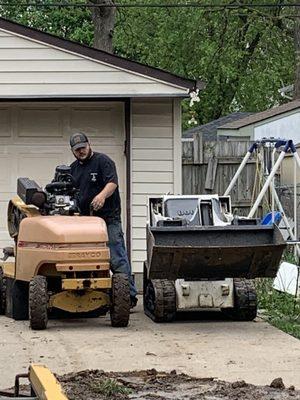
(34, 139)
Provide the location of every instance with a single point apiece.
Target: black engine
(58, 197)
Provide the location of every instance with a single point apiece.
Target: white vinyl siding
(31, 68)
(154, 137)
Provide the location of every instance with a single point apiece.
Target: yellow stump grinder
(60, 259)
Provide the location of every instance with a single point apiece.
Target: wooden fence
(208, 167)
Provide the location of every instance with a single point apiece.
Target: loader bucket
(213, 252)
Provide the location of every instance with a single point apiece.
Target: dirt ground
(204, 346)
(146, 385)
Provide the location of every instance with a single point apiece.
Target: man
(96, 178)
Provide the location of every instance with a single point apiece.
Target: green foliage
(70, 23)
(280, 309)
(244, 56)
(109, 388)
(289, 256)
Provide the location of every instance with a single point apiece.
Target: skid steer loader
(199, 256)
(60, 260)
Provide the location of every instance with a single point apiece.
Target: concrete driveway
(209, 347)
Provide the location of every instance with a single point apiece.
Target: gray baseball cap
(78, 140)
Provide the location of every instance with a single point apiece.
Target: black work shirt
(91, 177)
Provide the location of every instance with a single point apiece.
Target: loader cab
(201, 210)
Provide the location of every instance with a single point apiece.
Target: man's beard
(86, 158)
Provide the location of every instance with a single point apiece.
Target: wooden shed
(51, 87)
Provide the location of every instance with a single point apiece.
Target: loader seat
(206, 213)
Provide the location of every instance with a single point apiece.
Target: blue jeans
(118, 255)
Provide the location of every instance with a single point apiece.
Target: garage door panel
(3, 212)
(5, 123)
(96, 123)
(39, 166)
(40, 122)
(4, 242)
(6, 166)
(5, 197)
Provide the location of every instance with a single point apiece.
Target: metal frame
(288, 146)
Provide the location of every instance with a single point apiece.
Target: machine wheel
(245, 301)
(2, 292)
(120, 301)
(160, 300)
(38, 303)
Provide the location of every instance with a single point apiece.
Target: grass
(280, 309)
(109, 388)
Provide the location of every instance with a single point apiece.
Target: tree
(104, 24)
(297, 53)
(244, 55)
(69, 23)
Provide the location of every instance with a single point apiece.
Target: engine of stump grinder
(200, 256)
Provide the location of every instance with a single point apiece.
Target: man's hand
(98, 201)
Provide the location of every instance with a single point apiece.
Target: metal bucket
(213, 252)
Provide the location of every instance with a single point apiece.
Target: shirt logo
(94, 176)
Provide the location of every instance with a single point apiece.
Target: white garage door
(34, 139)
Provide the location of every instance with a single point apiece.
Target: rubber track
(2, 292)
(245, 300)
(38, 303)
(120, 309)
(165, 301)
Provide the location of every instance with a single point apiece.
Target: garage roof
(93, 54)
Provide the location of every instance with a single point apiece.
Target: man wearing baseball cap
(97, 180)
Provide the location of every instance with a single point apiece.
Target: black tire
(245, 301)
(2, 292)
(38, 303)
(120, 301)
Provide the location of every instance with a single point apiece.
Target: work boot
(133, 301)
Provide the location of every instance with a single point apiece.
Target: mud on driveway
(150, 385)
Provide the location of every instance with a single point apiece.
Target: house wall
(287, 170)
(281, 126)
(31, 68)
(284, 126)
(246, 131)
(156, 162)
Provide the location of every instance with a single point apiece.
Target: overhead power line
(154, 5)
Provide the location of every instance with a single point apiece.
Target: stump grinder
(60, 260)
(200, 256)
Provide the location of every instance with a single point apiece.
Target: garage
(51, 88)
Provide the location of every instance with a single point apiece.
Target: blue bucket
(267, 219)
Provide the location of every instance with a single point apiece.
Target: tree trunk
(104, 23)
(297, 53)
